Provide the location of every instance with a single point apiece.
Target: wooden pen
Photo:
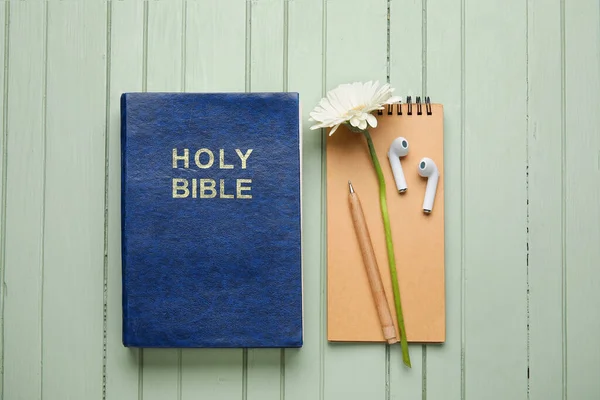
(368, 255)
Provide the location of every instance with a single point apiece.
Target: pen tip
(350, 186)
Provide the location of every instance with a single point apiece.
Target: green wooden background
(520, 82)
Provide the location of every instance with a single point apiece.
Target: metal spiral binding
(419, 106)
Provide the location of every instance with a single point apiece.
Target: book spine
(124, 288)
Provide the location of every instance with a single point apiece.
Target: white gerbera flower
(352, 103)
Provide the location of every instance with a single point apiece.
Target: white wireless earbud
(398, 148)
(429, 170)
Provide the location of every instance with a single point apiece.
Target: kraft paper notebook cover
(418, 238)
(211, 220)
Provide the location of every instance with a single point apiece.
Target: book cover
(211, 220)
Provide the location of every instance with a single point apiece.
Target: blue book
(211, 220)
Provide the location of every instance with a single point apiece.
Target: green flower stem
(390, 248)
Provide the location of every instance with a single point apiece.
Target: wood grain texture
(123, 367)
(303, 367)
(74, 203)
(582, 196)
(25, 203)
(495, 199)
(355, 371)
(545, 235)
(162, 368)
(214, 61)
(266, 73)
(406, 76)
(444, 85)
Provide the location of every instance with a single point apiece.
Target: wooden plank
(264, 373)
(264, 366)
(160, 374)
(74, 204)
(545, 261)
(444, 58)
(267, 45)
(303, 367)
(406, 76)
(123, 366)
(165, 29)
(406, 48)
(214, 373)
(25, 203)
(215, 50)
(4, 22)
(355, 371)
(496, 205)
(582, 197)
(367, 23)
(162, 367)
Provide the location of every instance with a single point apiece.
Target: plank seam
(424, 53)
(247, 83)
(4, 176)
(463, 283)
(282, 374)
(106, 190)
(183, 45)
(179, 373)
(140, 374)
(248, 50)
(183, 85)
(527, 238)
(145, 49)
(286, 33)
(387, 380)
(245, 374)
(424, 373)
(144, 89)
(323, 235)
(388, 368)
(285, 83)
(388, 43)
(43, 216)
(424, 91)
(563, 134)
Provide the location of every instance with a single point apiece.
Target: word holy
(211, 158)
(206, 188)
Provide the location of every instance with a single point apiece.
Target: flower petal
(334, 129)
(362, 125)
(354, 121)
(372, 120)
(393, 99)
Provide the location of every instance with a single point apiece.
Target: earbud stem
(397, 172)
(430, 190)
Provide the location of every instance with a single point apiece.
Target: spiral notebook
(418, 237)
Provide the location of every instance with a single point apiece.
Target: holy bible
(211, 220)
